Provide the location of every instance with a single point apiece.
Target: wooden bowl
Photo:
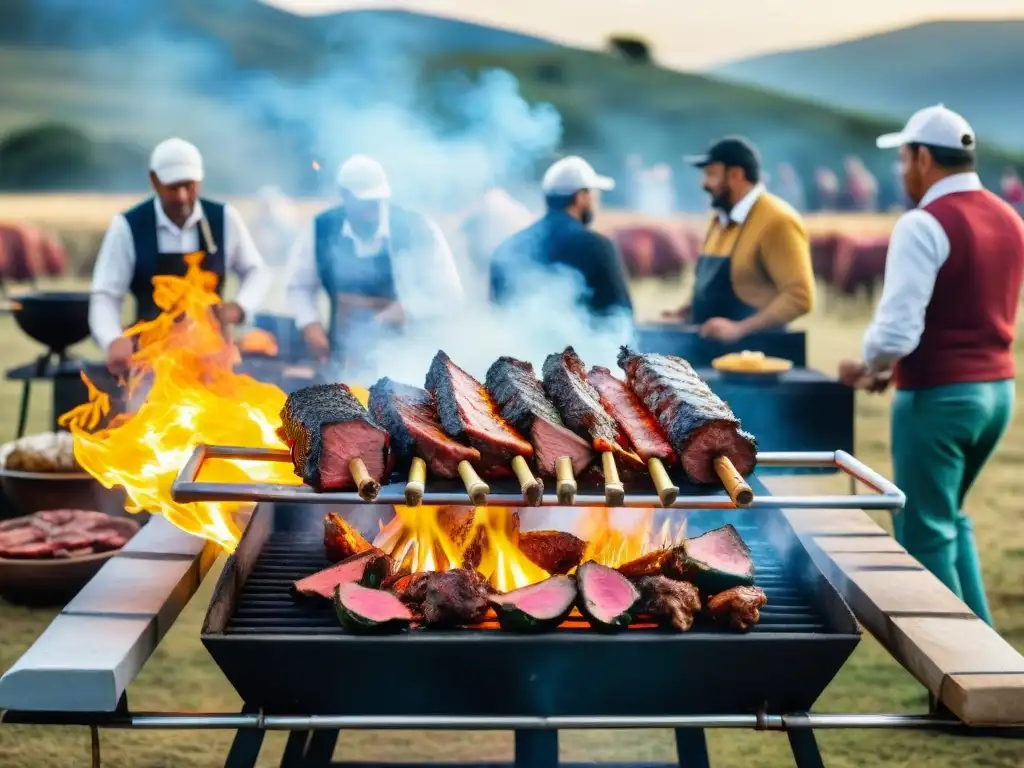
(29, 492)
(48, 582)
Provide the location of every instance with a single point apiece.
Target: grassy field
(181, 676)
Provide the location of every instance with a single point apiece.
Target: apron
(713, 294)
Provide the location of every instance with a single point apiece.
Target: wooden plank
(836, 544)
(846, 522)
(860, 561)
(985, 699)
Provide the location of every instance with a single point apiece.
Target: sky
(690, 34)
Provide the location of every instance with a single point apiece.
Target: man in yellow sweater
(754, 271)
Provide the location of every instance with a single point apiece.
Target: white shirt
(426, 284)
(115, 266)
(741, 210)
(918, 247)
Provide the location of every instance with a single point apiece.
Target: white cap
(364, 177)
(176, 160)
(935, 126)
(571, 174)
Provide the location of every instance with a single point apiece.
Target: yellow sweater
(771, 258)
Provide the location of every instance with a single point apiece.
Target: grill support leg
(536, 749)
(805, 748)
(245, 749)
(692, 748)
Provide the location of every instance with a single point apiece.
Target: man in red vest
(943, 332)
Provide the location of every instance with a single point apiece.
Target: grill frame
(493, 673)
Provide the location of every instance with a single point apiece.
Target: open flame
(182, 390)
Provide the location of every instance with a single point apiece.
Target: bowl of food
(751, 367)
(48, 556)
(40, 472)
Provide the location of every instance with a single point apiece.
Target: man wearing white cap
(942, 334)
(378, 263)
(153, 238)
(563, 238)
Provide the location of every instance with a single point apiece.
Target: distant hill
(265, 93)
(975, 67)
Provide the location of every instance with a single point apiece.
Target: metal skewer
(417, 483)
(668, 492)
(532, 488)
(739, 490)
(614, 490)
(475, 487)
(565, 488)
(368, 487)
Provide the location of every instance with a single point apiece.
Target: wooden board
(962, 661)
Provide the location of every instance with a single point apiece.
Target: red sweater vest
(969, 323)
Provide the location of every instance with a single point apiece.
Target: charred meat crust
(341, 540)
(645, 434)
(740, 607)
(557, 552)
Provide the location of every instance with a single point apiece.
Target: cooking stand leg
(295, 749)
(26, 391)
(320, 749)
(692, 748)
(245, 749)
(805, 748)
(536, 749)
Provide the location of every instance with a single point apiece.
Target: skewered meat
(63, 533)
(341, 540)
(740, 607)
(565, 381)
(326, 427)
(557, 552)
(671, 601)
(449, 598)
(650, 564)
(645, 434)
(408, 414)
(460, 525)
(520, 395)
(700, 426)
(469, 414)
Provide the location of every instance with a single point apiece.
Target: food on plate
(750, 362)
(557, 552)
(714, 561)
(739, 607)
(700, 426)
(669, 601)
(64, 533)
(363, 610)
(520, 395)
(341, 540)
(468, 413)
(327, 429)
(46, 452)
(607, 599)
(538, 607)
(370, 569)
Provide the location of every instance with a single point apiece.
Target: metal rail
(186, 488)
(234, 722)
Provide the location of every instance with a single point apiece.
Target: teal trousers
(941, 439)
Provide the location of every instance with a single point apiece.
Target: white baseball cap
(571, 174)
(935, 126)
(364, 177)
(176, 160)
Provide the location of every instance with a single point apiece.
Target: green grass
(181, 676)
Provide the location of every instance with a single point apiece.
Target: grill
(286, 657)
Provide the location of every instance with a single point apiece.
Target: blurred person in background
(497, 217)
(754, 272)
(790, 188)
(1012, 189)
(378, 263)
(826, 189)
(942, 334)
(153, 238)
(861, 186)
(562, 237)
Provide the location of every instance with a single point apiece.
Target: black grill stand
(68, 389)
(533, 749)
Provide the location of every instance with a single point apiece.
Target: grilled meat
(645, 434)
(341, 540)
(448, 598)
(740, 607)
(650, 564)
(460, 525)
(565, 382)
(325, 427)
(557, 552)
(408, 415)
(468, 414)
(670, 601)
(520, 395)
(700, 426)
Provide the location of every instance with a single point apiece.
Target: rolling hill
(974, 67)
(266, 93)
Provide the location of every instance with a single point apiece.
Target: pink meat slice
(373, 604)
(344, 442)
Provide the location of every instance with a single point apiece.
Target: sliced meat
(408, 415)
(325, 427)
(557, 552)
(520, 396)
(699, 425)
(565, 382)
(645, 434)
(64, 533)
(469, 414)
(669, 601)
(449, 598)
(739, 607)
(341, 540)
